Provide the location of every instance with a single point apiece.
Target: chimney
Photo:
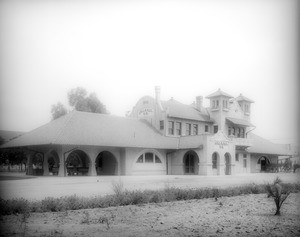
(199, 102)
(157, 97)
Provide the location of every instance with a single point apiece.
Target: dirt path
(251, 215)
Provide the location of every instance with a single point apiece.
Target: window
(238, 132)
(140, 159)
(188, 129)
(242, 132)
(178, 128)
(245, 155)
(236, 157)
(148, 158)
(161, 125)
(225, 104)
(157, 160)
(214, 161)
(213, 104)
(233, 131)
(245, 163)
(145, 102)
(247, 108)
(215, 128)
(229, 131)
(171, 127)
(206, 128)
(195, 129)
(217, 103)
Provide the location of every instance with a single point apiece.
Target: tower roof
(219, 92)
(243, 98)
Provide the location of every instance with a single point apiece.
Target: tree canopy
(79, 100)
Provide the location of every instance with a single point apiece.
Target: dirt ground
(14, 185)
(248, 215)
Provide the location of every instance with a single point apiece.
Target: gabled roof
(243, 98)
(219, 93)
(263, 146)
(176, 109)
(82, 128)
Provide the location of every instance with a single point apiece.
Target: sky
(121, 50)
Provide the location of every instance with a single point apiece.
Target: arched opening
(191, 161)
(264, 162)
(106, 164)
(227, 164)
(215, 163)
(77, 163)
(53, 163)
(37, 164)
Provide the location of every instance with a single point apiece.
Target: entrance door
(189, 164)
(263, 164)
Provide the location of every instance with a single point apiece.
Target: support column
(45, 164)
(92, 154)
(61, 169)
(29, 170)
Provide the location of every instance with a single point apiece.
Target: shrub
(278, 192)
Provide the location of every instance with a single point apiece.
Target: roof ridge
(65, 125)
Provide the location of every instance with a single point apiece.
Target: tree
(58, 110)
(81, 102)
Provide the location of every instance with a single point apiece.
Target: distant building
(156, 138)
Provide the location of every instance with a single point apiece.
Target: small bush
(123, 197)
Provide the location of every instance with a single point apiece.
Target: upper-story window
(217, 103)
(238, 132)
(242, 132)
(246, 108)
(171, 127)
(206, 128)
(225, 104)
(195, 129)
(178, 128)
(188, 129)
(215, 128)
(161, 124)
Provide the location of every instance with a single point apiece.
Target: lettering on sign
(145, 112)
(221, 144)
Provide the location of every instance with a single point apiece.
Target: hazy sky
(121, 49)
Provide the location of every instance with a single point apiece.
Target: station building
(156, 138)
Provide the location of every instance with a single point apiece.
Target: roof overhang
(240, 122)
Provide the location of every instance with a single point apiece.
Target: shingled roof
(82, 128)
(176, 109)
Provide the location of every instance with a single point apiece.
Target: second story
(172, 118)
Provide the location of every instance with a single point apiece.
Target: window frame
(171, 128)
(188, 129)
(178, 128)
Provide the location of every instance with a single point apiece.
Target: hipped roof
(263, 146)
(219, 92)
(82, 128)
(176, 109)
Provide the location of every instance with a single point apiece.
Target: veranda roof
(82, 128)
(263, 146)
(240, 122)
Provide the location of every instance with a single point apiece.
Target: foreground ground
(248, 215)
(14, 185)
